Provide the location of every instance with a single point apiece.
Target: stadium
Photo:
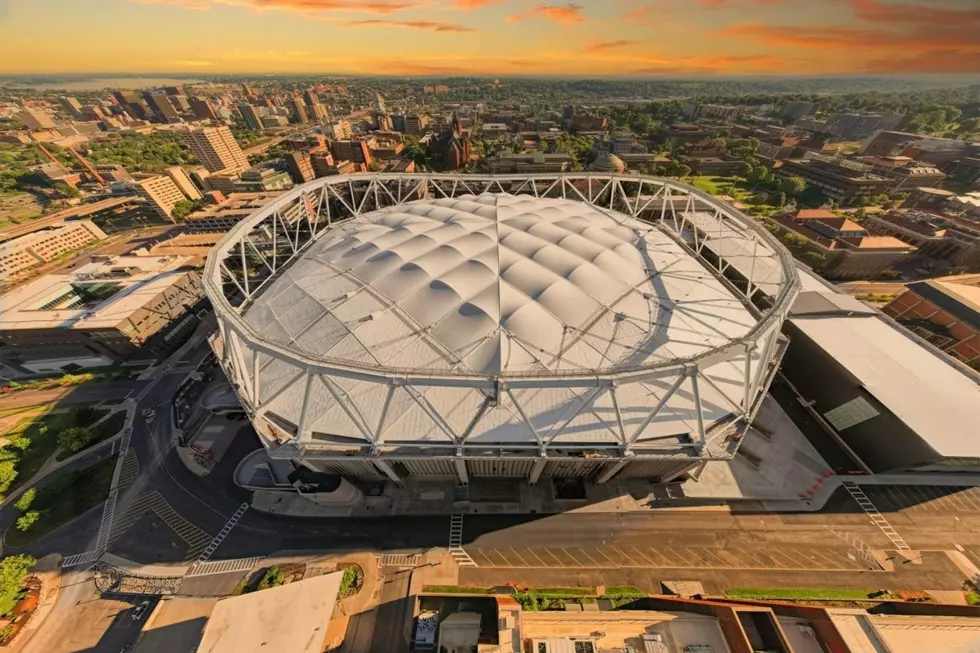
(436, 326)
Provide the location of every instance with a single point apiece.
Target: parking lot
(920, 499)
(675, 557)
(105, 625)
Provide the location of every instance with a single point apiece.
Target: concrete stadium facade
(463, 326)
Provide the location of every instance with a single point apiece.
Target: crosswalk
(399, 561)
(222, 567)
(80, 559)
(130, 469)
(223, 533)
(876, 517)
(456, 550)
(196, 539)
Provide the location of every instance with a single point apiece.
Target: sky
(492, 37)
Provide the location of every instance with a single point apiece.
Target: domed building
(607, 162)
(451, 149)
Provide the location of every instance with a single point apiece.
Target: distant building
(527, 163)
(251, 116)
(300, 167)
(262, 180)
(698, 111)
(161, 192)
(383, 122)
(310, 98)
(39, 247)
(608, 163)
(163, 107)
(861, 125)
(906, 173)
(353, 150)
(587, 123)
(35, 119)
(796, 109)
(216, 148)
(711, 165)
(416, 124)
(271, 122)
(112, 172)
(298, 110)
(842, 249)
(319, 112)
(941, 240)
(183, 183)
(966, 170)
(98, 313)
(451, 149)
(680, 133)
(233, 209)
(202, 109)
(945, 312)
(71, 106)
(398, 122)
(842, 183)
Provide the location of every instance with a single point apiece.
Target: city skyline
(488, 37)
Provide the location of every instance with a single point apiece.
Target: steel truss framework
(744, 257)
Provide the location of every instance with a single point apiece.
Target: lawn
(715, 185)
(103, 431)
(798, 594)
(65, 497)
(34, 439)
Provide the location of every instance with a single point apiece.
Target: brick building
(842, 183)
(940, 240)
(40, 247)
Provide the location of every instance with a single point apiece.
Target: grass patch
(624, 592)
(34, 439)
(40, 409)
(455, 589)
(972, 598)
(65, 497)
(352, 580)
(103, 431)
(716, 185)
(799, 594)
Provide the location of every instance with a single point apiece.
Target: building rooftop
(291, 617)
(960, 295)
(96, 295)
(916, 382)
(875, 242)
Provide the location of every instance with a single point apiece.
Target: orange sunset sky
(498, 37)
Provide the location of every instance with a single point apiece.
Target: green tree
(181, 209)
(743, 169)
(7, 474)
(682, 170)
(757, 175)
(84, 415)
(66, 190)
(24, 502)
(76, 438)
(13, 571)
(28, 519)
(792, 186)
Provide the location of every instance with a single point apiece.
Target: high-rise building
(398, 122)
(300, 167)
(319, 112)
(184, 183)
(299, 110)
(416, 123)
(217, 148)
(35, 119)
(180, 102)
(311, 98)
(247, 90)
(251, 116)
(161, 192)
(72, 106)
(384, 122)
(356, 151)
(161, 105)
(381, 104)
(202, 108)
(132, 104)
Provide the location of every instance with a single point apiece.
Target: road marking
(130, 469)
(876, 517)
(399, 561)
(81, 559)
(223, 533)
(456, 550)
(196, 539)
(222, 567)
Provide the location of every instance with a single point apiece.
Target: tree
(66, 190)
(7, 474)
(24, 502)
(76, 438)
(181, 209)
(779, 198)
(84, 415)
(743, 170)
(13, 571)
(792, 186)
(757, 175)
(682, 170)
(28, 519)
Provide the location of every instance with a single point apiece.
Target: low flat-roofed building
(939, 238)
(235, 208)
(25, 253)
(944, 311)
(289, 618)
(110, 307)
(843, 183)
(528, 162)
(191, 244)
(899, 403)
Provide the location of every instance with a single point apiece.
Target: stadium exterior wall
(742, 256)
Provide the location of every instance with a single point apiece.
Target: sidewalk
(48, 571)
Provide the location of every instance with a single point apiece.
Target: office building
(163, 107)
(796, 109)
(216, 148)
(844, 183)
(310, 98)
(263, 180)
(72, 106)
(506, 162)
(202, 108)
(300, 167)
(860, 124)
(27, 252)
(840, 248)
(906, 172)
(319, 112)
(298, 110)
(415, 124)
(272, 122)
(251, 116)
(942, 240)
(398, 122)
(233, 209)
(35, 119)
(356, 151)
(383, 122)
(97, 313)
(183, 183)
(161, 192)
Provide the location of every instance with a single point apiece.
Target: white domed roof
(498, 284)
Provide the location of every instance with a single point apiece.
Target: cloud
(309, 7)
(569, 14)
(934, 61)
(470, 5)
(430, 25)
(738, 3)
(608, 45)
